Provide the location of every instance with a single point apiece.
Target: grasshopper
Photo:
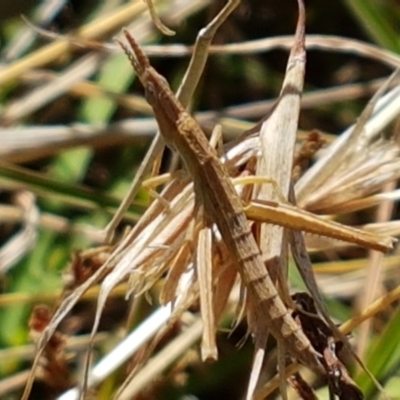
(221, 205)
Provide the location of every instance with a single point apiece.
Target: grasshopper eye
(151, 94)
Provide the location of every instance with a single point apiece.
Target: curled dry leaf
(156, 19)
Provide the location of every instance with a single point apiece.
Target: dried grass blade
(156, 148)
(381, 304)
(205, 277)
(176, 269)
(256, 367)
(278, 137)
(374, 279)
(319, 42)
